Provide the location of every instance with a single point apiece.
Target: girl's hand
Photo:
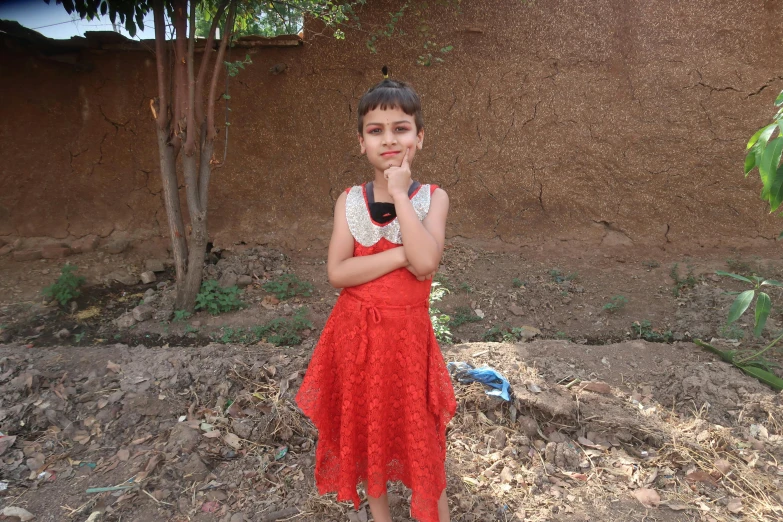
(399, 178)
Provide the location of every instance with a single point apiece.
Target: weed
(465, 288)
(681, 284)
(287, 286)
(66, 287)
(440, 322)
(217, 300)
(616, 303)
(462, 315)
(644, 330)
(649, 264)
(284, 331)
(78, 337)
(558, 277)
(443, 281)
(561, 335)
(502, 333)
(517, 283)
(190, 329)
(731, 331)
(740, 267)
(181, 315)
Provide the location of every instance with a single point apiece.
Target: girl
(377, 387)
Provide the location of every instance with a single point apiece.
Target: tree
(764, 153)
(184, 110)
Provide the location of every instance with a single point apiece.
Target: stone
(244, 281)
(516, 310)
(506, 476)
(164, 314)
(7, 249)
(195, 469)
(117, 246)
(85, 244)
(143, 312)
(597, 387)
(242, 428)
(55, 251)
(126, 320)
(528, 332)
(154, 265)
(183, 438)
(123, 277)
(148, 277)
(228, 279)
(27, 255)
(63, 334)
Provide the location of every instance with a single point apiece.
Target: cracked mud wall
(610, 122)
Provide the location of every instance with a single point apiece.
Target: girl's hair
(390, 94)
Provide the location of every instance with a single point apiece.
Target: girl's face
(386, 134)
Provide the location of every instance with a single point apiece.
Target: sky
(53, 21)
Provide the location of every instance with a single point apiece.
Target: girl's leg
(443, 508)
(379, 506)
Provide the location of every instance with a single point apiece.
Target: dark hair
(390, 94)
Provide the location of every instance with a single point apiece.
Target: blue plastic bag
(466, 373)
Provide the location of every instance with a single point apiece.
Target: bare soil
(193, 419)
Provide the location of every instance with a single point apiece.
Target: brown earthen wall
(598, 120)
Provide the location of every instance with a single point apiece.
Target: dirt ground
(615, 414)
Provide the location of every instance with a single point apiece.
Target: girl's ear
(361, 143)
(420, 139)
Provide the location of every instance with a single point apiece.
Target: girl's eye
(402, 129)
(374, 131)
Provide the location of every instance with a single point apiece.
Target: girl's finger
(405, 163)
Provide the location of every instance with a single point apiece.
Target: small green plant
(680, 284)
(502, 333)
(558, 277)
(616, 303)
(462, 315)
(443, 281)
(287, 286)
(66, 287)
(440, 321)
(649, 264)
(181, 315)
(465, 287)
(740, 267)
(644, 330)
(284, 331)
(216, 300)
(517, 283)
(190, 329)
(731, 332)
(744, 299)
(77, 338)
(561, 335)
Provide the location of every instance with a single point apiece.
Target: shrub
(66, 287)
(217, 300)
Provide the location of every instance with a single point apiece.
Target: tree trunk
(168, 175)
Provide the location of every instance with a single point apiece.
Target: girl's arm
(343, 269)
(423, 240)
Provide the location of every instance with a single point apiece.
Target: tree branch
(161, 66)
(180, 71)
(205, 57)
(190, 142)
(226, 36)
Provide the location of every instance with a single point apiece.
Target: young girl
(377, 387)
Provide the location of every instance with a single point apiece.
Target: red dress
(377, 387)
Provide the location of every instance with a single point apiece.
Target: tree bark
(166, 152)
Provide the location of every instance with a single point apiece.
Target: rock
(498, 438)
(244, 281)
(143, 312)
(506, 476)
(228, 279)
(242, 428)
(126, 320)
(154, 265)
(85, 244)
(183, 438)
(148, 277)
(597, 387)
(517, 310)
(55, 251)
(63, 334)
(7, 249)
(164, 314)
(26, 255)
(564, 455)
(195, 469)
(528, 332)
(529, 426)
(123, 277)
(117, 246)
(14, 511)
(237, 517)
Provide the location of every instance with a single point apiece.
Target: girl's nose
(389, 137)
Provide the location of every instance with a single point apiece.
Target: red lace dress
(377, 387)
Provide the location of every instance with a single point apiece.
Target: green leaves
(744, 300)
(740, 304)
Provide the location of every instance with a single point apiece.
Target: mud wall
(614, 121)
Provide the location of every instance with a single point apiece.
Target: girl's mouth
(390, 154)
